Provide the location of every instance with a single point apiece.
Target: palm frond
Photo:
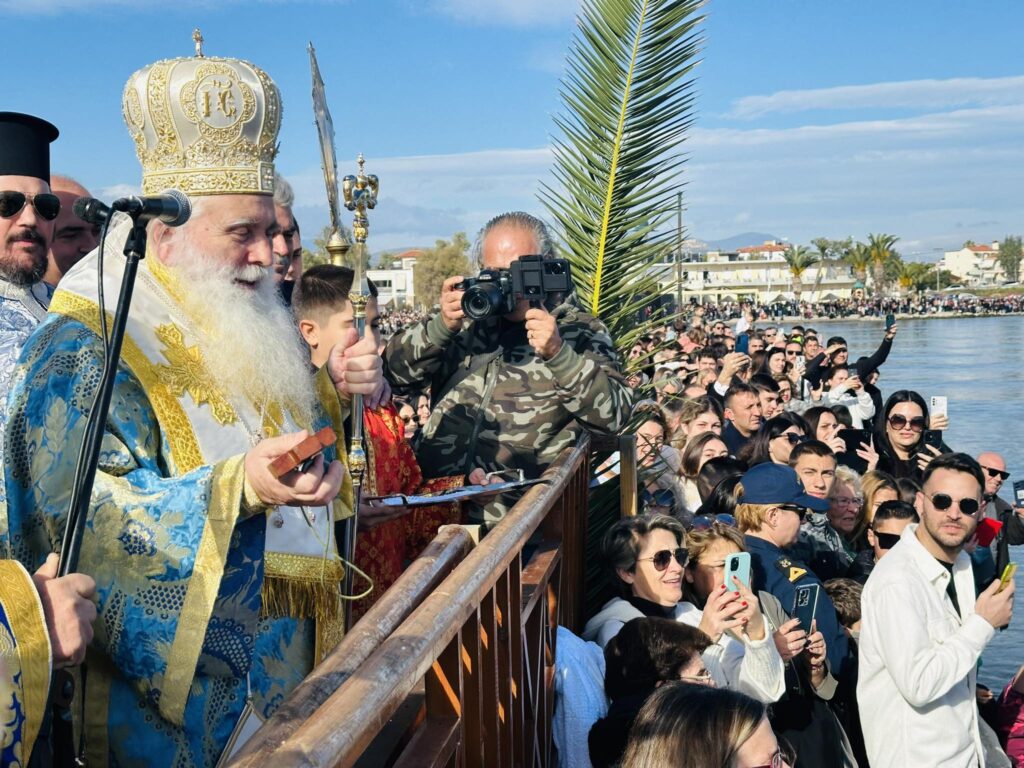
(628, 102)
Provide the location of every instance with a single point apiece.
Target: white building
(975, 265)
(755, 273)
(395, 286)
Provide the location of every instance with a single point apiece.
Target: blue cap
(770, 483)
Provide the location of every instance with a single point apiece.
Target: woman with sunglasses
(644, 557)
(699, 451)
(742, 656)
(899, 435)
(775, 440)
(690, 726)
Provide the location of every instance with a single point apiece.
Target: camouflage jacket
(495, 403)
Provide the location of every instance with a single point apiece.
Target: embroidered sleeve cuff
(252, 504)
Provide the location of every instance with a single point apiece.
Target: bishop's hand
(317, 486)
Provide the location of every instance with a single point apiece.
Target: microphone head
(91, 210)
(184, 208)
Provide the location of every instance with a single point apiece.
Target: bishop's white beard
(249, 338)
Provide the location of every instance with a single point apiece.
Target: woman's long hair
(756, 451)
(691, 726)
(882, 443)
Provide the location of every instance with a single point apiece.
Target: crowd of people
(933, 304)
(775, 456)
(811, 580)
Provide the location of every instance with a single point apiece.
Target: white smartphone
(939, 406)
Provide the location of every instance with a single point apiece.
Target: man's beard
(248, 338)
(18, 274)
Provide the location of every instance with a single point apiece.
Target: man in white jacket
(923, 631)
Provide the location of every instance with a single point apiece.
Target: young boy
(383, 545)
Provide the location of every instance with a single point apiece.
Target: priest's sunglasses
(46, 205)
(943, 501)
(661, 559)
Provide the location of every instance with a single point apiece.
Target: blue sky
(829, 118)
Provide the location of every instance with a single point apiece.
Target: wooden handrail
(433, 565)
(464, 631)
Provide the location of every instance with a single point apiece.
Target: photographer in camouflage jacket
(508, 392)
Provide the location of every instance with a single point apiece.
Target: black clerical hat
(25, 145)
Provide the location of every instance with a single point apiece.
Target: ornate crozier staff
(360, 193)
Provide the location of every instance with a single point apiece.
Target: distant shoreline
(791, 319)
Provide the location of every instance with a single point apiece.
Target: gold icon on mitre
(205, 125)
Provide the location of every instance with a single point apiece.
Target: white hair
(284, 195)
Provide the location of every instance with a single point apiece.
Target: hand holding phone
(1007, 577)
(737, 565)
(1018, 493)
(805, 605)
(939, 406)
(890, 321)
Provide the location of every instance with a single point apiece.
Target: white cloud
(114, 191)
(517, 13)
(908, 94)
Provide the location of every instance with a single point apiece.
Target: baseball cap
(770, 483)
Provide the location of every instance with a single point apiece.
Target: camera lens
(555, 268)
(481, 301)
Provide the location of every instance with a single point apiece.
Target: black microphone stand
(62, 684)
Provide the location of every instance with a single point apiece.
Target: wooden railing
(474, 654)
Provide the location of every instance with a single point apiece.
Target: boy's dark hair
(763, 382)
(323, 290)
(908, 488)
(715, 471)
(811, 448)
(648, 651)
(895, 510)
(845, 596)
(954, 462)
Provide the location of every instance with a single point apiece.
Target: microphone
(171, 206)
(91, 211)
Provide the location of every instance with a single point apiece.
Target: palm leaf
(627, 101)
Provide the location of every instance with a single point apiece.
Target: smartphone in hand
(939, 406)
(890, 321)
(933, 438)
(1007, 577)
(805, 605)
(737, 564)
(1018, 493)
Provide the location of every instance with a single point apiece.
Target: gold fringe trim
(301, 587)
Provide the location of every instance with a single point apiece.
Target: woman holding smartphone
(899, 435)
(742, 657)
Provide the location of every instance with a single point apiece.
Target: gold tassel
(301, 587)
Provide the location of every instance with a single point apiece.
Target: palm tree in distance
(858, 257)
(799, 258)
(880, 248)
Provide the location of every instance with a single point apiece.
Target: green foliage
(446, 259)
(799, 259)
(858, 257)
(627, 103)
(1010, 254)
(388, 260)
(880, 247)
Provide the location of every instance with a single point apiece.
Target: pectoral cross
(197, 38)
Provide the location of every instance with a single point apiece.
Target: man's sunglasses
(662, 559)
(996, 472)
(886, 540)
(896, 421)
(943, 501)
(46, 205)
(793, 352)
(704, 522)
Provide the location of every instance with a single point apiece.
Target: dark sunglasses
(46, 205)
(661, 559)
(996, 472)
(408, 419)
(886, 540)
(792, 352)
(800, 511)
(704, 522)
(897, 421)
(943, 501)
(793, 438)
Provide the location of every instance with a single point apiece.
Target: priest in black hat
(27, 211)
(45, 622)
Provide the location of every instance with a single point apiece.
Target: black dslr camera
(497, 291)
